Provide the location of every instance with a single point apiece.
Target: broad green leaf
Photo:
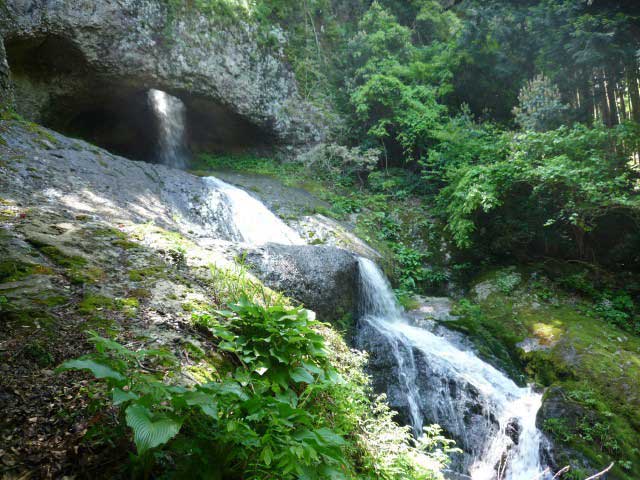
(328, 437)
(120, 396)
(99, 370)
(301, 375)
(205, 401)
(150, 432)
(267, 456)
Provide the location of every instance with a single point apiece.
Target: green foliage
(394, 100)
(592, 428)
(557, 187)
(507, 281)
(280, 410)
(340, 163)
(149, 431)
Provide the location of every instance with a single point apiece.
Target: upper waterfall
(171, 116)
(444, 383)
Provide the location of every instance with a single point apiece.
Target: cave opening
(56, 86)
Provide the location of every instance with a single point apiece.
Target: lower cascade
(428, 377)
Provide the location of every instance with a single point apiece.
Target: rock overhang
(78, 63)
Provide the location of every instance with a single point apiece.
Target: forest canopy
(519, 118)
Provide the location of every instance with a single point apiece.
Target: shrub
(540, 105)
(339, 162)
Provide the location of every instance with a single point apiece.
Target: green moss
(15, 270)
(595, 363)
(129, 306)
(126, 244)
(58, 257)
(142, 274)
(93, 306)
(92, 303)
(28, 321)
(108, 232)
(77, 269)
(594, 430)
(195, 306)
(52, 300)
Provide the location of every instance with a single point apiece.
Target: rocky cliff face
(5, 92)
(74, 61)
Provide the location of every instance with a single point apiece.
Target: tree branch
(561, 472)
(598, 475)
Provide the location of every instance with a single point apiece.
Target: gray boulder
(74, 60)
(323, 278)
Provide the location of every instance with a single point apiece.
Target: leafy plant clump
(279, 408)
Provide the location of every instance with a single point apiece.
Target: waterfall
(171, 117)
(492, 418)
(249, 220)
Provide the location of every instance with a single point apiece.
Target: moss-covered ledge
(529, 326)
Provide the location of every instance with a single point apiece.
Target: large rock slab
(323, 278)
(44, 169)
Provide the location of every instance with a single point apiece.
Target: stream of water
(447, 384)
(253, 222)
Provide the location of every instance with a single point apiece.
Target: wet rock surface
(44, 168)
(300, 209)
(444, 397)
(323, 278)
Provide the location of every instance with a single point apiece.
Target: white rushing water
(171, 116)
(251, 221)
(499, 458)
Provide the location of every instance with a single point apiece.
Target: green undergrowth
(15, 270)
(290, 401)
(579, 348)
(268, 391)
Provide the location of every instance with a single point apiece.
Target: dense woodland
(467, 141)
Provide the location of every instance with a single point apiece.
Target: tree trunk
(610, 85)
(603, 103)
(634, 95)
(622, 102)
(585, 110)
